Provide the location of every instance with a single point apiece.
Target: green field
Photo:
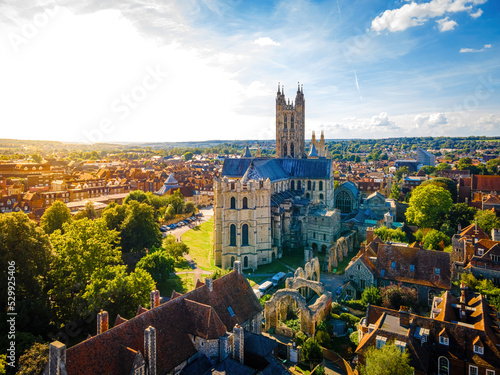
(200, 242)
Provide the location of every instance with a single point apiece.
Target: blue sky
(197, 70)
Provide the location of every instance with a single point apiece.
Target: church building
(264, 206)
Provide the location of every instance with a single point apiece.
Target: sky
(193, 70)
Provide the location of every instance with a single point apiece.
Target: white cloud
(413, 14)
(472, 50)
(445, 24)
(266, 41)
(430, 120)
(381, 119)
(477, 14)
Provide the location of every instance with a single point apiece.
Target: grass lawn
(200, 242)
(343, 265)
(181, 283)
(182, 265)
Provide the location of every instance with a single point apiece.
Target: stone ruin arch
(340, 249)
(278, 306)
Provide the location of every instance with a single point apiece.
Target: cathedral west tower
(290, 124)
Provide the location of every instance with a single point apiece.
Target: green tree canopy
(54, 217)
(139, 229)
(136, 195)
(395, 295)
(400, 172)
(386, 361)
(158, 264)
(34, 360)
(446, 183)
(436, 240)
(85, 247)
(114, 215)
(459, 213)
(443, 166)
(311, 351)
(385, 233)
(371, 296)
(111, 288)
(187, 156)
(173, 248)
(428, 206)
(486, 220)
(395, 191)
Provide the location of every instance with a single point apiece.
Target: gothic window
(291, 123)
(244, 235)
(285, 123)
(308, 185)
(285, 150)
(245, 262)
(232, 262)
(292, 185)
(321, 196)
(245, 203)
(320, 186)
(314, 185)
(308, 195)
(233, 203)
(343, 202)
(299, 185)
(232, 235)
(292, 147)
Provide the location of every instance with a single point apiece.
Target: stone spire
(247, 153)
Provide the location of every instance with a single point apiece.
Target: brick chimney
(464, 291)
(102, 322)
(154, 299)
(238, 343)
(57, 358)
(369, 235)
(210, 284)
(404, 316)
(238, 267)
(150, 349)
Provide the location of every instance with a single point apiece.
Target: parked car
(163, 228)
(339, 290)
(344, 309)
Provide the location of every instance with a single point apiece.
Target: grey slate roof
(350, 186)
(313, 151)
(247, 153)
(278, 169)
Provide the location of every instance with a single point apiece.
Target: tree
(385, 233)
(54, 217)
(139, 229)
(158, 264)
(36, 158)
(169, 213)
(311, 351)
(428, 169)
(90, 210)
(26, 254)
(446, 183)
(114, 215)
(436, 240)
(371, 296)
(189, 208)
(443, 166)
(85, 247)
(323, 338)
(428, 205)
(173, 248)
(386, 361)
(395, 191)
(492, 166)
(486, 220)
(136, 195)
(400, 172)
(187, 156)
(34, 360)
(459, 213)
(111, 288)
(395, 295)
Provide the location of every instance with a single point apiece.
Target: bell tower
(290, 124)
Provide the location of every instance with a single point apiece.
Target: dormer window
(382, 273)
(444, 340)
(412, 268)
(381, 340)
(393, 265)
(478, 349)
(401, 345)
(437, 271)
(480, 252)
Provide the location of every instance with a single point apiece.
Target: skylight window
(231, 312)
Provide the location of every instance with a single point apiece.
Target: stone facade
(242, 221)
(360, 278)
(290, 124)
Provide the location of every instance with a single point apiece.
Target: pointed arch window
(292, 150)
(232, 235)
(443, 366)
(308, 185)
(291, 123)
(245, 262)
(299, 185)
(292, 185)
(245, 203)
(321, 186)
(244, 235)
(285, 123)
(233, 203)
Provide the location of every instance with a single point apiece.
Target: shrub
(300, 338)
(351, 320)
(323, 338)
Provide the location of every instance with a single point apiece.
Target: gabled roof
(313, 152)
(200, 312)
(247, 153)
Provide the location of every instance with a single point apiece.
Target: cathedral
(265, 206)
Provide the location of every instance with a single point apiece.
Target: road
(178, 232)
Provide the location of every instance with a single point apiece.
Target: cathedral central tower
(290, 124)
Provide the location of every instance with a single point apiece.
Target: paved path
(178, 232)
(194, 266)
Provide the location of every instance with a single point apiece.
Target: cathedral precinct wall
(242, 221)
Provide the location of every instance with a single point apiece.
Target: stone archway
(274, 309)
(314, 246)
